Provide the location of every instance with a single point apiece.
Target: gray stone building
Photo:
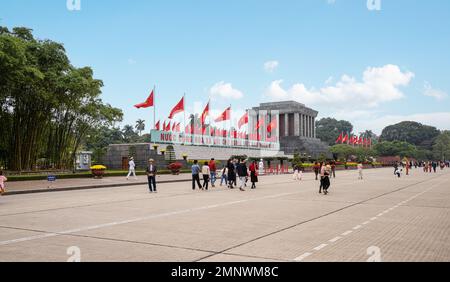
(296, 127)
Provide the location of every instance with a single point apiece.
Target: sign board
(158, 136)
(51, 178)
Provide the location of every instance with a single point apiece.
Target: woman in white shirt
(206, 173)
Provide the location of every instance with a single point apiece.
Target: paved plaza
(379, 218)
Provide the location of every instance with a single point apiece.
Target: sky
(373, 64)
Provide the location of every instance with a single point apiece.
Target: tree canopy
(412, 132)
(329, 129)
(47, 105)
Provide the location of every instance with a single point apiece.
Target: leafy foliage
(48, 106)
(329, 129)
(414, 133)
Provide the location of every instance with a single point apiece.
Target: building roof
(287, 107)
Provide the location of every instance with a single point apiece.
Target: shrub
(175, 167)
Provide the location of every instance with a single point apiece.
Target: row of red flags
(353, 140)
(180, 107)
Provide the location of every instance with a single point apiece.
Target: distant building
(297, 130)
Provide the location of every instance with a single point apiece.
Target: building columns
(286, 125)
(296, 124)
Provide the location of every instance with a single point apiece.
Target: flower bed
(98, 171)
(175, 168)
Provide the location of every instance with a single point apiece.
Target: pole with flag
(154, 108)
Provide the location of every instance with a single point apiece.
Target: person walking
(333, 169)
(298, 173)
(242, 173)
(196, 175)
(151, 175)
(316, 168)
(213, 170)
(231, 174)
(360, 171)
(131, 169)
(398, 172)
(206, 171)
(253, 174)
(434, 165)
(224, 176)
(322, 176)
(326, 178)
(3, 179)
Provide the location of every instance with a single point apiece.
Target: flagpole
(154, 107)
(184, 112)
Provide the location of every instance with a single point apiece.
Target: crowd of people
(235, 173)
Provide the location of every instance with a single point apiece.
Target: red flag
(260, 123)
(164, 126)
(148, 103)
(226, 115)
(273, 125)
(340, 138)
(345, 139)
(205, 114)
(178, 127)
(168, 127)
(158, 125)
(174, 126)
(361, 141)
(177, 109)
(243, 120)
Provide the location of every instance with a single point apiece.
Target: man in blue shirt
(196, 175)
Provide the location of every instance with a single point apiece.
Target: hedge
(16, 178)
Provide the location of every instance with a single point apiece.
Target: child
(360, 171)
(398, 172)
(3, 179)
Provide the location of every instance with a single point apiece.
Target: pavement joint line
(89, 228)
(366, 222)
(334, 240)
(318, 248)
(357, 227)
(130, 200)
(327, 214)
(143, 218)
(302, 257)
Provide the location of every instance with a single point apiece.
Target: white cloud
(378, 85)
(271, 66)
(225, 91)
(435, 93)
(131, 61)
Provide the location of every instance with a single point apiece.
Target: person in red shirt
(253, 174)
(213, 169)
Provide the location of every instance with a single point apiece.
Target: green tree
(129, 135)
(441, 148)
(329, 129)
(343, 151)
(396, 148)
(411, 132)
(47, 105)
(140, 126)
